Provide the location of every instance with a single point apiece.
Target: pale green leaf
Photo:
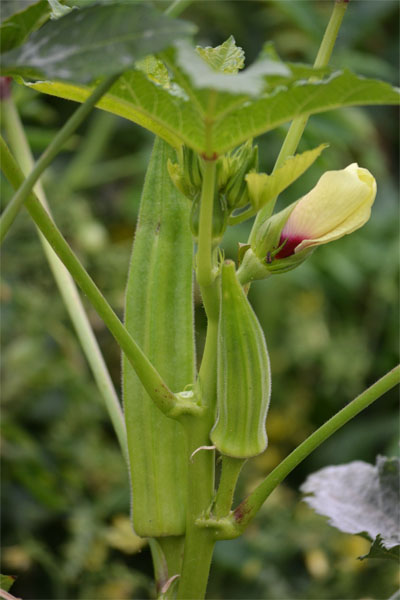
(226, 58)
(94, 42)
(263, 188)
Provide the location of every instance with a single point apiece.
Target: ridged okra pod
(244, 383)
(159, 316)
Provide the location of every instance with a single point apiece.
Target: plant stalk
(230, 472)
(204, 266)
(65, 283)
(298, 125)
(8, 216)
(199, 542)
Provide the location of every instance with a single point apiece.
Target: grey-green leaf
(360, 498)
(18, 25)
(93, 42)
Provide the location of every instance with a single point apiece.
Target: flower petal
(339, 203)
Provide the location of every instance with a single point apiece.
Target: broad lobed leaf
(340, 89)
(137, 98)
(94, 42)
(178, 121)
(362, 499)
(199, 100)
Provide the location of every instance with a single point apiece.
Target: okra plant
(184, 415)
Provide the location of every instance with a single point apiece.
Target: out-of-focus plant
(201, 181)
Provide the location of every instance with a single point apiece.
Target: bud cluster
(231, 190)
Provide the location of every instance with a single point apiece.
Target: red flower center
(289, 248)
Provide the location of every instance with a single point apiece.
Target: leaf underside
(362, 499)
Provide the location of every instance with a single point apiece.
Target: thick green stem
(199, 543)
(68, 288)
(298, 125)
(8, 216)
(247, 510)
(230, 472)
(150, 378)
(166, 553)
(204, 266)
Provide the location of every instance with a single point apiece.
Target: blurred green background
(331, 327)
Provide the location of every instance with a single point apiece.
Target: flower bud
(187, 174)
(243, 387)
(242, 162)
(339, 204)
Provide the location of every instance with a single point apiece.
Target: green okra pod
(244, 382)
(159, 315)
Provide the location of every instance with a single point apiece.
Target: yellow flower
(339, 204)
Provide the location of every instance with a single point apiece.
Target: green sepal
(263, 188)
(187, 173)
(267, 236)
(159, 315)
(259, 261)
(243, 381)
(240, 163)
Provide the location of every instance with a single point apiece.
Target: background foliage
(330, 325)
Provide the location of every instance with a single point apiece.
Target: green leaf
(6, 581)
(169, 114)
(340, 89)
(263, 187)
(137, 98)
(362, 499)
(226, 58)
(15, 29)
(378, 550)
(93, 42)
